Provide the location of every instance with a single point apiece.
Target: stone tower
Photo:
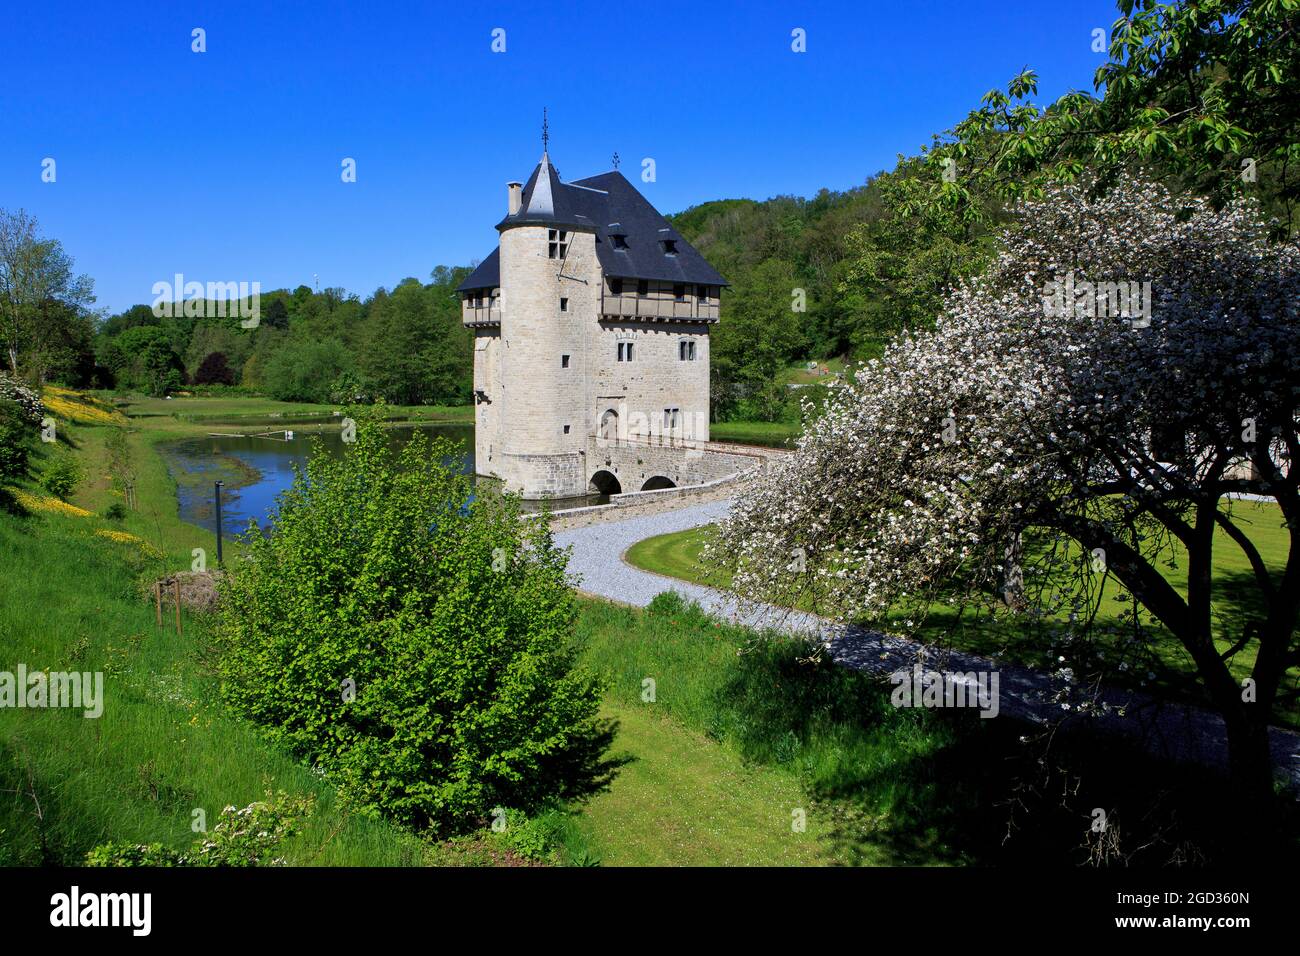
(591, 311)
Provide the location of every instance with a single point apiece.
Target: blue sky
(225, 165)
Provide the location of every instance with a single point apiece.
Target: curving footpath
(1169, 730)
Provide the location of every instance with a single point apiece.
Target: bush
(246, 837)
(16, 439)
(115, 511)
(412, 642)
(61, 476)
(30, 407)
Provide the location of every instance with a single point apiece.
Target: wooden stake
(177, 581)
(157, 601)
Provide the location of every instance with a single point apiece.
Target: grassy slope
(165, 747)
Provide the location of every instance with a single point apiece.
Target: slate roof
(607, 205)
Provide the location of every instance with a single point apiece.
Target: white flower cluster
(1008, 416)
(32, 407)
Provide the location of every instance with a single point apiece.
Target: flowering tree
(1053, 427)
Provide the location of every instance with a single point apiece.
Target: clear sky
(225, 165)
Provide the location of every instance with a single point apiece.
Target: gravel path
(1172, 731)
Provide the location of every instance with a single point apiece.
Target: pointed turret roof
(548, 201)
(607, 205)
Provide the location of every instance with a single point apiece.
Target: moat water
(256, 470)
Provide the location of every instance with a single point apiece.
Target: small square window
(564, 305)
(557, 243)
(670, 246)
(564, 361)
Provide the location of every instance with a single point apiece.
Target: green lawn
(198, 409)
(798, 374)
(678, 555)
(685, 800)
(771, 434)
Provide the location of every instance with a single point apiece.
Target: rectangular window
(564, 361)
(566, 429)
(615, 286)
(642, 287)
(672, 418)
(618, 241)
(625, 351)
(557, 243)
(679, 293)
(564, 305)
(686, 351)
(703, 293)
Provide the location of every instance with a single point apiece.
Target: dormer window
(557, 243)
(618, 240)
(670, 246)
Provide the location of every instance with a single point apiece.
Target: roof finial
(616, 159)
(546, 135)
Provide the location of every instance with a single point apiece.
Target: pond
(255, 469)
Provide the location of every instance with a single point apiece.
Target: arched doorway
(608, 425)
(604, 483)
(657, 482)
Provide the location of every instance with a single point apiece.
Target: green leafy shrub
(61, 476)
(16, 440)
(115, 511)
(413, 643)
(245, 837)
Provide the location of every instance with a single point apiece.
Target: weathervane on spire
(616, 159)
(546, 136)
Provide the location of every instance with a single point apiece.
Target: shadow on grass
(946, 786)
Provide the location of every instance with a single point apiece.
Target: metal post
(218, 491)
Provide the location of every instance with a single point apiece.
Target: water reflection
(256, 469)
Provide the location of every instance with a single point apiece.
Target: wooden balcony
(658, 308)
(488, 314)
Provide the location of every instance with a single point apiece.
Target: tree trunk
(1250, 772)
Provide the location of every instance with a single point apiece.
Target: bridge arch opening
(657, 482)
(604, 483)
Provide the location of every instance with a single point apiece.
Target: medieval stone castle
(591, 343)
